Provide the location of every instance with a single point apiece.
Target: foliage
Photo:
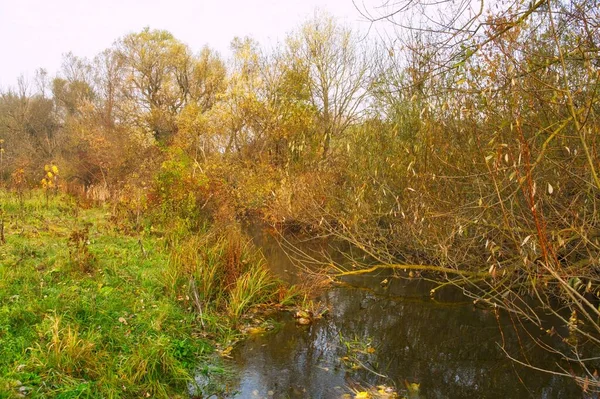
(79, 252)
(178, 189)
(221, 271)
(468, 145)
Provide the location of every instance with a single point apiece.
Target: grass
(255, 286)
(87, 311)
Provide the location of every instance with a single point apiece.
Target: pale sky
(36, 33)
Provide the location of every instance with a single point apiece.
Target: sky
(36, 33)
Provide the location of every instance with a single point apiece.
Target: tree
(156, 71)
(327, 58)
(207, 85)
(504, 169)
(29, 128)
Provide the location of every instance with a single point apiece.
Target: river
(394, 336)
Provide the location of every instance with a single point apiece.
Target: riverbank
(90, 310)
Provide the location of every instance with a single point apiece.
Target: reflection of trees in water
(450, 349)
(295, 361)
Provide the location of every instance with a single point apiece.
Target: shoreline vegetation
(88, 311)
(468, 150)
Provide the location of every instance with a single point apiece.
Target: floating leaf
(256, 330)
(225, 352)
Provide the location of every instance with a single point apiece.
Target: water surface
(393, 335)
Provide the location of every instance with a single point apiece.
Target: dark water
(392, 336)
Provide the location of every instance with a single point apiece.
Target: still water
(395, 336)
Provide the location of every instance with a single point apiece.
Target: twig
(142, 248)
(2, 238)
(194, 291)
(438, 269)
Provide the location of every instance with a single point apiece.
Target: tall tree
(337, 73)
(156, 76)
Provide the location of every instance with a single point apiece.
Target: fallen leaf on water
(256, 330)
(225, 352)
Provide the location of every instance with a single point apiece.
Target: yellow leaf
(256, 330)
(362, 395)
(225, 352)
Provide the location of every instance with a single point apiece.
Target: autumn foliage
(472, 150)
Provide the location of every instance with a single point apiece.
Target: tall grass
(64, 349)
(225, 270)
(152, 360)
(102, 316)
(255, 286)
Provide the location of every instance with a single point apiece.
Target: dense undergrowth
(89, 309)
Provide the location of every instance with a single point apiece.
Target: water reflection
(449, 347)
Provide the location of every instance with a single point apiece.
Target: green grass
(86, 313)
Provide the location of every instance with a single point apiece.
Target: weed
(79, 252)
(153, 363)
(65, 350)
(2, 237)
(255, 286)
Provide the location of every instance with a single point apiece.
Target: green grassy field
(89, 311)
